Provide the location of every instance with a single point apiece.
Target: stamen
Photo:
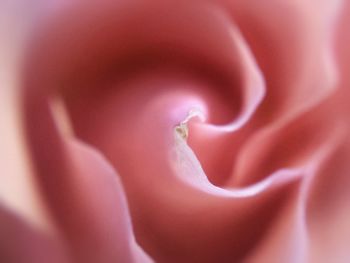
(182, 128)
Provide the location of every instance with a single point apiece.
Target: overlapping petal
(248, 182)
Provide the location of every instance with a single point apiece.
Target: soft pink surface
(264, 178)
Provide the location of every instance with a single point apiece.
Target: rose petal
(81, 189)
(292, 43)
(19, 242)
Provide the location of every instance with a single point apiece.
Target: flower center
(182, 128)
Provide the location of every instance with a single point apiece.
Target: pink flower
(174, 131)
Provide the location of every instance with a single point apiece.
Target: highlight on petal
(188, 169)
(19, 191)
(253, 85)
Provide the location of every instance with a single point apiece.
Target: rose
(124, 76)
